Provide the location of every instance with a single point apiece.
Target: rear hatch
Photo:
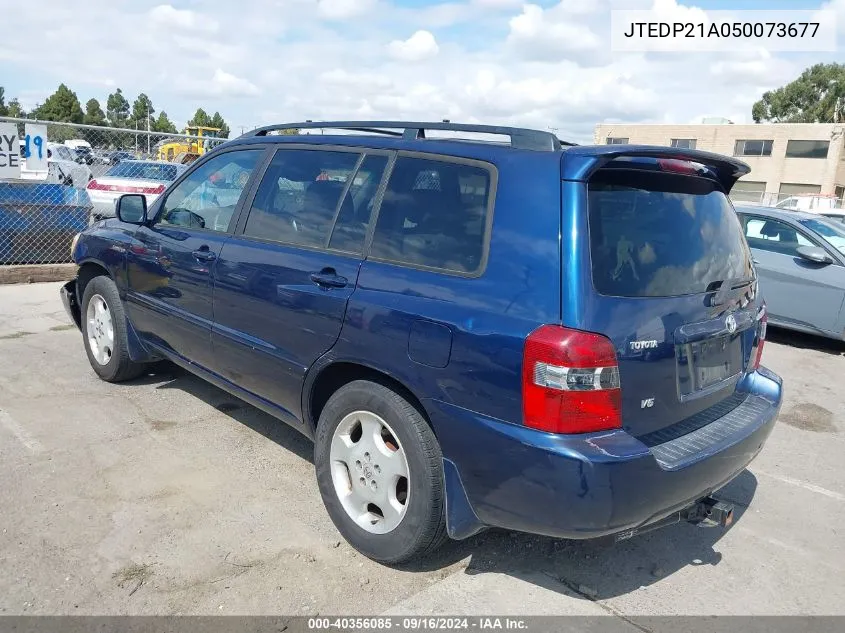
(671, 284)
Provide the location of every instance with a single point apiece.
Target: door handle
(203, 254)
(328, 278)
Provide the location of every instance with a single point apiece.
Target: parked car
(81, 150)
(836, 215)
(84, 155)
(62, 168)
(458, 325)
(801, 263)
(114, 157)
(810, 202)
(130, 176)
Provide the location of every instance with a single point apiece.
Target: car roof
(576, 163)
(777, 214)
(459, 147)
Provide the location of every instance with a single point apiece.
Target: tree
(94, 114)
(200, 118)
(164, 124)
(218, 122)
(817, 96)
(15, 110)
(62, 105)
(117, 109)
(4, 111)
(141, 110)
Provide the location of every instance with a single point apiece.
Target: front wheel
(104, 332)
(380, 473)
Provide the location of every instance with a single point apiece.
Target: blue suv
(521, 333)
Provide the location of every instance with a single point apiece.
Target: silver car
(800, 261)
(130, 176)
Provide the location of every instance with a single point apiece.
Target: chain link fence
(57, 178)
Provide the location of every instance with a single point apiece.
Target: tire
(118, 366)
(421, 526)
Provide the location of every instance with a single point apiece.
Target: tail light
(98, 186)
(759, 339)
(570, 381)
(678, 166)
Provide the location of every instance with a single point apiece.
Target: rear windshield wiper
(724, 286)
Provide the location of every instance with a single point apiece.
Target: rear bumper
(71, 302)
(591, 485)
(103, 204)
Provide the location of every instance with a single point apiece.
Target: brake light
(98, 186)
(677, 166)
(760, 339)
(570, 381)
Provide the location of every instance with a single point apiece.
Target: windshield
(832, 233)
(655, 235)
(837, 219)
(144, 171)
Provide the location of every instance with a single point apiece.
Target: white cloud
(342, 77)
(226, 84)
(343, 9)
(164, 15)
(540, 34)
(498, 63)
(497, 4)
(839, 7)
(420, 46)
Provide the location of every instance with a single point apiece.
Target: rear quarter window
(655, 234)
(436, 214)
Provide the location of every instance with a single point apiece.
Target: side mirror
(814, 254)
(131, 208)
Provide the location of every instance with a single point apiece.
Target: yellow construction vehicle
(186, 151)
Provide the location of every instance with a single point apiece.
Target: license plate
(711, 375)
(705, 363)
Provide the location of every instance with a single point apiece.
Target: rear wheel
(379, 468)
(104, 332)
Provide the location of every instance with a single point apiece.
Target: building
(785, 158)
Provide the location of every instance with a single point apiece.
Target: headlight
(73, 244)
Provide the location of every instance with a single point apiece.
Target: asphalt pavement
(168, 496)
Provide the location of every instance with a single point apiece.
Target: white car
(810, 203)
(62, 168)
(130, 176)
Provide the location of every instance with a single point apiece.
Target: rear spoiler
(581, 162)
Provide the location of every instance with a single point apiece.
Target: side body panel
(459, 339)
(271, 320)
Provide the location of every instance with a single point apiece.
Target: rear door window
(657, 234)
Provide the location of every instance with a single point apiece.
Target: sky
(543, 64)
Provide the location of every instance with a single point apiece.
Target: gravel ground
(168, 496)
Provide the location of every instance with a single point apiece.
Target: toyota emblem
(730, 323)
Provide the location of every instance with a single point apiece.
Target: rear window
(144, 171)
(657, 235)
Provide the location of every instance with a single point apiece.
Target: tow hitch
(710, 512)
(707, 512)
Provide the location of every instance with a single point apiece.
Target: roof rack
(520, 138)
